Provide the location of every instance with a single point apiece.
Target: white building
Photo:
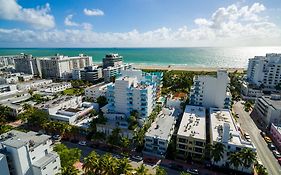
(211, 91)
(97, 90)
(34, 84)
(224, 130)
(250, 92)
(265, 70)
(268, 109)
(91, 74)
(191, 136)
(8, 89)
(4, 164)
(55, 87)
(28, 64)
(68, 109)
(7, 60)
(176, 100)
(112, 59)
(159, 134)
(29, 154)
(60, 67)
(110, 73)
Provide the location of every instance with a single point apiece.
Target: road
(264, 153)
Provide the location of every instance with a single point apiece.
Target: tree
(115, 137)
(91, 164)
(125, 142)
(142, 170)
(248, 157)
(108, 164)
(261, 170)
(217, 151)
(5, 128)
(68, 156)
(101, 100)
(69, 170)
(5, 113)
(160, 171)
(235, 159)
(184, 173)
(124, 167)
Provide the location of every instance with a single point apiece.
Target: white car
(82, 143)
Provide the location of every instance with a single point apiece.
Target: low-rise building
(191, 136)
(111, 73)
(28, 154)
(55, 87)
(159, 134)
(34, 84)
(223, 129)
(250, 92)
(68, 109)
(268, 109)
(275, 132)
(8, 89)
(176, 100)
(97, 90)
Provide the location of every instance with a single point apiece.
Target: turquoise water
(196, 57)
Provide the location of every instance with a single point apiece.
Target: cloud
(39, 17)
(93, 12)
(68, 21)
(233, 25)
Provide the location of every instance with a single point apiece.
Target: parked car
(176, 167)
(276, 154)
(82, 143)
(192, 171)
(247, 136)
(137, 158)
(263, 134)
(56, 137)
(267, 139)
(271, 146)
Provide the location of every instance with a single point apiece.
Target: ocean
(229, 57)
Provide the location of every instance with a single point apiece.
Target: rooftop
(193, 122)
(55, 102)
(18, 139)
(46, 159)
(275, 103)
(161, 127)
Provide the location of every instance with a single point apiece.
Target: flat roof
(218, 117)
(18, 139)
(45, 160)
(193, 122)
(274, 103)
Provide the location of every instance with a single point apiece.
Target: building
(28, 64)
(111, 73)
(95, 91)
(265, 70)
(211, 91)
(4, 164)
(176, 100)
(68, 109)
(158, 136)
(34, 84)
(90, 73)
(8, 60)
(28, 154)
(268, 109)
(128, 94)
(191, 136)
(250, 92)
(112, 59)
(8, 89)
(275, 132)
(55, 87)
(60, 67)
(13, 78)
(223, 129)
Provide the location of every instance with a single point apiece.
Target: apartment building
(34, 84)
(8, 89)
(112, 59)
(211, 91)
(28, 64)
(55, 87)
(28, 154)
(265, 70)
(158, 136)
(91, 73)
(191, 136)
(111, 73)
(95, 91)
(223, 129)
(7, 60)
(60, 67)
(268, 109)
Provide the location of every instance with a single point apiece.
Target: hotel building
(211, 91)
(191, 136)
(112, 59)
(27, 154)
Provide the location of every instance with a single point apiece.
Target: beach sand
(185, 68)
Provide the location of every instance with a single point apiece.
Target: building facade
(111, 73)
(191, 136)
(95, 91)
(211, 91)
(265, 70)
(28, 64)
(112, 59)
(29, 153)
(275, 132)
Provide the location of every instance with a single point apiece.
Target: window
(44, 168)
(55, 161)
(182, 140)
(199, 143)
(55, 168)
(199, 150)
(181, 146)
(33, 158)
(161, 143)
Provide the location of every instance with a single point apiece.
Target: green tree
(217, 151)
(261, 170)
(115, 137)
(108, 164)
(125, 142)
(235, 159)
(142, 170)
(124, 167)
(69, 170)
(68, 156)
(184, 173)
(91, 164)
(248, 157)
(5, 128)
(160, 171)
(5, 114)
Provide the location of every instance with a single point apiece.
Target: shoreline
(186, 68)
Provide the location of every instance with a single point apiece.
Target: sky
(140, 23)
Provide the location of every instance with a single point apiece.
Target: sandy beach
(185, 68)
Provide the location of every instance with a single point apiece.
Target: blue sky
(139, 23)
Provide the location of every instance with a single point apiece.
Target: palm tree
(160, 171)
(124, 167)
(142, 170)
(261, 170)
(108, 164)
(235, 160)
(217, 151)
(248, 157)
(69, 170)
(91, 164)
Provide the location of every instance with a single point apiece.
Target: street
(264, 153)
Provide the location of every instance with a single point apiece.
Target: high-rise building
(265, 70)
(111, 73)
(28, 64)
(91, 73)
(211, 91)
(60, 67)
(28, 154)
(112, 59)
